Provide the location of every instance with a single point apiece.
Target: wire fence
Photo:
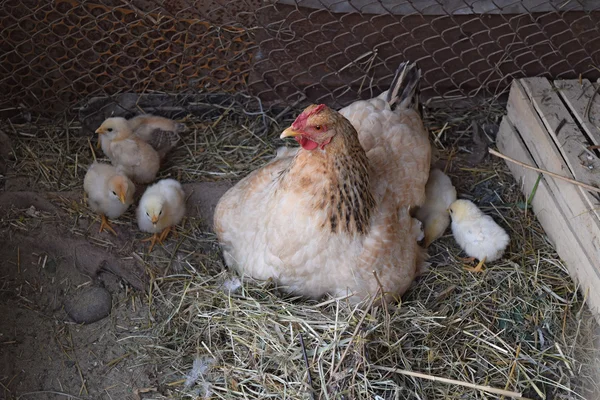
(55, 56)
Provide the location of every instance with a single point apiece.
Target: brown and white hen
(329, 216)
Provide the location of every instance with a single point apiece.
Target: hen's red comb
(300, 121)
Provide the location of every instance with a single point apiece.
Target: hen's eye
(318, 127)
(109, 129)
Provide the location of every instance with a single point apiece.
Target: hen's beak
(290, 132)
(122, 197)
(100, 130)
(154, 219)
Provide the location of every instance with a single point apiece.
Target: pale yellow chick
(159, 132)
(161, 208)
(476, 233)
(439, 194)
(130, 154)
(109, 192)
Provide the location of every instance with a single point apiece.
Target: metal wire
(55, 56)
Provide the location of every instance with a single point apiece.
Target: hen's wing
(246, 200)
(391, 248)
(392, 133)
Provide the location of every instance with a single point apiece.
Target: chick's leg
(106, 225)
(164, 234)
(152, 239)
(478, 268)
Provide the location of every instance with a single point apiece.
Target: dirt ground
(43, 353)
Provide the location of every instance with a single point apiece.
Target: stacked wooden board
(554, 126)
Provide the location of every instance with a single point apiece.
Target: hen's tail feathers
(404, 90)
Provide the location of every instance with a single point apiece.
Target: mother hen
(333, 217)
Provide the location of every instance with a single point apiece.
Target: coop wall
(56, 55)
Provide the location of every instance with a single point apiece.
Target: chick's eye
(109, 129)
(113, 192)
(160, 213)
(147, 214)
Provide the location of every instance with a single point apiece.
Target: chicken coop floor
(194, 332)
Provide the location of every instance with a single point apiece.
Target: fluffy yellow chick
(130, 154)
(476, 233)
(109, 193)
(161, 207)
(439, 194)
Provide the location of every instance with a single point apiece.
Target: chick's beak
(154, 219)
(100, 131)
(290, 132)
(122, 197)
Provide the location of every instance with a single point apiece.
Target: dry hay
(520, 326)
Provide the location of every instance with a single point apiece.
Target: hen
(333, 217)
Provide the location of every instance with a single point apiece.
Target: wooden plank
(573, 201)
(563, 129)
(578, 98)
(550, 113)
(578, 203)
(548, 206)
(544, 150)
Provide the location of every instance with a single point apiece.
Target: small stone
(90, 305)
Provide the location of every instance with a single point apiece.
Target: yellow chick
(161, 207)
(476, 233)
(130, 154)
(439, 194)
(159, 132)
(109, 193)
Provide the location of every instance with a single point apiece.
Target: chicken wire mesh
(56, 56)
